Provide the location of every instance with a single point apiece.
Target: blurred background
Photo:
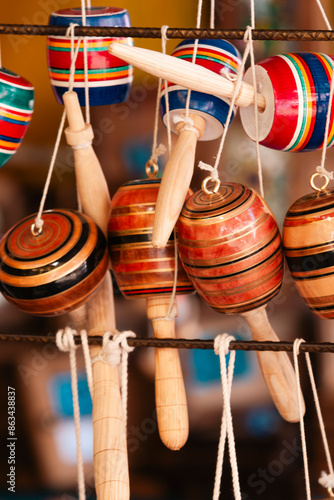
(268, 448)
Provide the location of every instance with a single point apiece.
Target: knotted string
(221, 348)
(115, 351)
(38, 224)
(65, 343)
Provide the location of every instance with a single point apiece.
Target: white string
(65, 343)
(74, 54)
(83, 14)
(321, 168)
(326, 480)
(88, 362)
(164, 47)
(198, 25)
(212, 14)
(296, 346)
(115, 350)
(221, 348)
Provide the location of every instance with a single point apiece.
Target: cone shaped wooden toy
(230, 247)
(109, 78)
(16, 108)
(56, 270)
(293, 93)
(146, 272)
(206, 122)
(309, 249)
(109, 433)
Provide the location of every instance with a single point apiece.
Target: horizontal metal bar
(237, 345)
(179, 33)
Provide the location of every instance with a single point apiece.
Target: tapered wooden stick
(276, 367)
(190, 76)
(170, 394)
(110, 453)
(175, 182)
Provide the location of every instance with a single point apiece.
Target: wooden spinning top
(230, 247)
(56, 270)
(309, 249)
(144, 271)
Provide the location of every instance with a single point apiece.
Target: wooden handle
(190, 76)
(109, 433)
(170, 394)
(276, 367)
(175, 182)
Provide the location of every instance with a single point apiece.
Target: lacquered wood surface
(296, 87)
(309, 249)
(16, 109)
(230, 247)
(56, 271)
(109, 78)
(141, 270)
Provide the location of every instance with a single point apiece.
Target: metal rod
(181, 343)
(178, 33)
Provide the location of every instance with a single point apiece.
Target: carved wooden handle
(276, 367)
(110, 451)
(175, 182)
(190, 76)
(170, 394)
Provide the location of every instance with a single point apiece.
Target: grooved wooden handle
(175, 182)
(170, 394)
(190, 76)
(276, 367)
(109, 433)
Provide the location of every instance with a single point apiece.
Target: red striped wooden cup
(140, 269)
(230, 247)
(309, 248)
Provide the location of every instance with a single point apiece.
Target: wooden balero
(230, 247)
(147, 272)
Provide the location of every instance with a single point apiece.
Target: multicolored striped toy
(16, 108)
(144, 271)
(109, 78)
(309, 249)
(57, 270)
(208, 115)
(296, 89)
(230, 247)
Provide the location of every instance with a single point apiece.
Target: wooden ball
(109, 78)
(230, 247)
(214, 55)
(56, 271)
(296, 88)
(140, 269)
(309, 249)
(16, 108)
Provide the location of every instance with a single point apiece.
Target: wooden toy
(309, 249)
(109, 78)
(16, 108)
(230, 247)
(56, 270)
(292, 100)
(208, 117)
(109, 433)
(144, 271)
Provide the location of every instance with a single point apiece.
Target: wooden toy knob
(276, 367)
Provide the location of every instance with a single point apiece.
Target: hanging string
(65, 343)
(296, 346)
(198, 25)
(164, 48)
(212, 15)
(321, 168)
(38, 224)
(221, 348)
(85, 41)
(88, 361)
(115, 351)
